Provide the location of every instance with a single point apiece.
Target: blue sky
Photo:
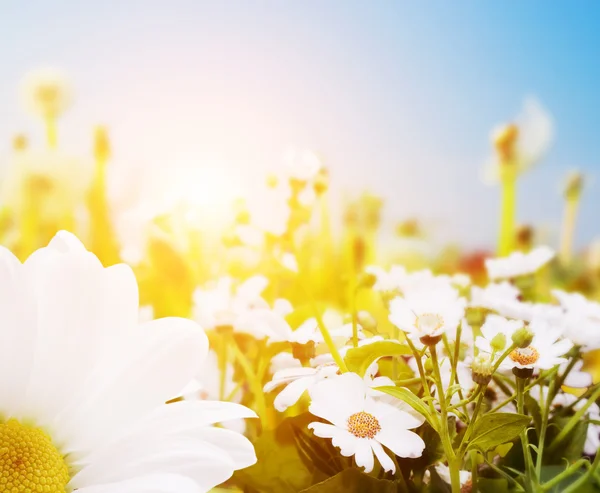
(398, 97)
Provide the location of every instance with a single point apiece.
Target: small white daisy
(545, 351)
(581, 319)
(519, 264)
(426, 315)
(223, 304)
(360, 425)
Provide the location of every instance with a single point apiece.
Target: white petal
(403, 443)
(364, 455)
(334, 399)
(154, 483)
(384, 459)
(292, 393)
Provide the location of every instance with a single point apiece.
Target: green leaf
(412, 400)
(282, 465)
(360, 358)
(354, 481)
(495, 429)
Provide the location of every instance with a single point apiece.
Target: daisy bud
(367, 280)
(482, 369)
(428, 365)
(367, 321)
(573, 186)
(498, 343)
(522, 337)
(505, 142)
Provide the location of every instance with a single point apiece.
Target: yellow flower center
(29, 462)
(363, 425)
(525, 356)
(429, 322)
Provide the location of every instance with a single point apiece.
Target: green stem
(544, 427)
(454, 460)
(529, 469)
(422, 375)
(255, 385)
(585, 479)
(569, 471)
(474, 470)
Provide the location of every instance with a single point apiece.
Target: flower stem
(529, 469)
(508, 211)
(454, 460)
(51, 134)
(255, 385)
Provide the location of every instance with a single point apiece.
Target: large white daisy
(83, 385)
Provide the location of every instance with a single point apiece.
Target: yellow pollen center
(525, 356)
(429, 322)
(363, 425)
(29, 462)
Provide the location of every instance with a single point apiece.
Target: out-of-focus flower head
(522, 143)
(573, 185)
(301, 165)
(56, 182)
(519, 264)
(46, 92)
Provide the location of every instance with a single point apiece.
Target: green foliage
(359, 359)
(290, 459)
(355, 481)
(495, 429)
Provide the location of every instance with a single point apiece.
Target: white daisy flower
(223, 305)
(577, 377)
(581, 319)
(545, 351)
(386, 280)
(83, 388)
(494, 296)
(524, 143)
(360, 425)
(299, 379)
(518, 263)
(427, 314)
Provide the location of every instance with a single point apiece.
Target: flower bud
(367, 280)
(522, 337)
(428, 365)
(367, 321)
(498, 342)
(482, 369)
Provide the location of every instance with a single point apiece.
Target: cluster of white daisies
(429, 310)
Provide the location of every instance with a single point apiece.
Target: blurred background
(398, 97)
(201, 103)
